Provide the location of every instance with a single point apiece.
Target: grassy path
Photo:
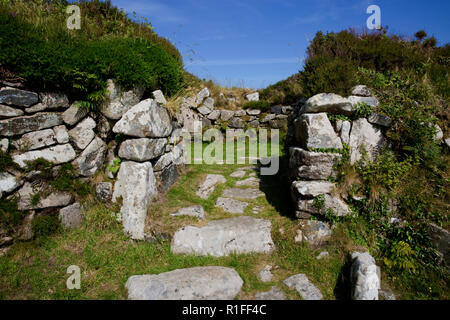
(37, 269)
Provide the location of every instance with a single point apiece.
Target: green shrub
(262, 105)
(79, 65)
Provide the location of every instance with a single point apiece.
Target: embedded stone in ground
(199, 283)
(136, 184)
(250, 182)
(231, 205)
(304, 287)
(242, 193)
(209, 184)
(192, 211)
(273, 294)
(71, 217)
(103, 191)
(365, 277)
(265, 275)
(223, 237)
(238, 174)
(316, 233)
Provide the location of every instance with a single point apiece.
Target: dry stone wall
(36, 126)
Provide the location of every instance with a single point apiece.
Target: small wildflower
(12, 14)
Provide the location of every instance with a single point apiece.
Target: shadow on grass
(343, 289)
(277, 190)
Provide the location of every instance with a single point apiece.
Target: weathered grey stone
(447, 142)
(103, 191)
(206, 123)
(238, 174)
(240, 113)
(253, 112)
(286, 110)
(222, 237)
(345, 132)
(249, 182)
(36, 108)
(278, 123)
(209, 184)
(20, 125)
(74, 114)
(441, 239)
(55, 199)
(364, 276)
(355, 101)
(315, 233)
(142, 149)
(231, 205)
(71, 217)
(204, 93)
(214, 115)
(4, 145)
(304, 287)
(103, 127)
(312, 165)
(61, 134)
(380, 120)
(236, 123)
(361, 91)
(334, 203)
(313, 188)
(56, 154)
(119, 102)
(8, 183)
(253, 124)
(273, 294)
(167, 178)
(91, 159)
(25, 230)
(35, 140)
(322, 255)
(226, 115)
(387, 294)
(147, 119)
(136, 185)
(252, 96)
(159, 97)
(175, 156)
(8, 112)
(365, 136)
(192, 211)
(199, 283)
(242, 193)
(17, 97)
(83, 133)
(268, 117)
(192, 121)
(327, 102)
(54, 100)
(314, 131)
(204, 110)
(265, 275)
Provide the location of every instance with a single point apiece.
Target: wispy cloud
(236, 62)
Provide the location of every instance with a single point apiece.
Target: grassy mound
(37, 46)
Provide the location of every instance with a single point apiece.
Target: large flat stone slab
(57, 155)
(273, 294)
(242, 193)
(192, 211)
(199, 283)
(223, 237)
(20, 125)
(231, 205)
(209, 184)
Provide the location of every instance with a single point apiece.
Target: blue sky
(255, 43)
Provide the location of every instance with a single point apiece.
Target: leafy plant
(115, 166)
